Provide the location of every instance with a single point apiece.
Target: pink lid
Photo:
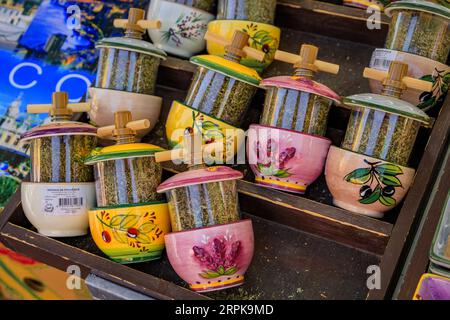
(199, 176)
(302, 84)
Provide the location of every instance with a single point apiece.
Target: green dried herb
(203, 205)
(381, 135)
(206, 5)
(252, 10)
(220, 96)
(127, 71)
(296, 110)
(127, 181)
(419, 33)
(61, 158)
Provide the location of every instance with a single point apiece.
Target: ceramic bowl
(420, 68)
(182, 118)
(58, 209)
(440, 250)
(129, 234)
(182, 27)
(264, 37)
(285, 159)
(212, 258)
(105, 102)
(365, 185)
(432, 287)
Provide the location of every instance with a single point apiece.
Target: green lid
(122, 151)
(131, 44)
(418, 5)
(229, 68)
(387, 104)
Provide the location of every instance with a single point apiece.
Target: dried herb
(127, 181)
(251, 10)
(419, 33)
(127, 71)
(381, 135)
(61, 158)
(296, 110)
(207, 5)
(203, 205)
(220, 96)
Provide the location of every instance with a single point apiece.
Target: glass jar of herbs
(383, 126)
(251, 10)
(419, 27)
(299, 103)
(58, 149)
(128, 63)
(223, 88)
(125, 173)
(207, 5)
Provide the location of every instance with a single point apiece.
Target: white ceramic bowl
(58, 209)
(105, 102)
(182, 27)
(419, 67)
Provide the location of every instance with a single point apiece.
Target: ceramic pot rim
(270, 26)
(59, 128)
(428, 276)
(441, 260)
(202, 113)
(125, 93)
(97, 156)
(421, 6)
(118, 43)
(176, 4)
(364, 156)
(44, 184)
(175, 233)
(292, 131)
(413, 56)
(128, 205)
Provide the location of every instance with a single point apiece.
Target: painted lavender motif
(190, 26)
(218, 257)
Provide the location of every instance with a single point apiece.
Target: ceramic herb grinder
(130, 219)
(369, 174)
(287, 150)
(210, 247)
(61, 191)
(128, 63)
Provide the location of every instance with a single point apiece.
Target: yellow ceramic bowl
(182, 118)
(132, 233)
(264, 37)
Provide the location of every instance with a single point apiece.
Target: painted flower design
(271, 162)
(135, 230)
(260, 40)
(190, 26)
(378, 182)
(218, 257)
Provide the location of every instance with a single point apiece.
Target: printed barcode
(383, 63)
(70, 202)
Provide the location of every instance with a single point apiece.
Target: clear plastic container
(381, 135)
(251, 10)
(126, 70)
(61, 158)
(127, 181)
(296, 110)
(202, 205)
(220, 96)
(421, 33)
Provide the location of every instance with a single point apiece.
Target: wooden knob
(131, 24)
(244, 51)
(46, 108)
(295, 59)
(149, 24)
(123, 125)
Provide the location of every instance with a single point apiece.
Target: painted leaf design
(208, 274)
(391, 181)
(358, 176)
(116, 221)
(387, 201)
(144, 239)
(221, 270)
(129, 221)
(147, 227)
(388, 169)
(282, 174)
(208, 125)
(120, 236)
(373, 197)
(230, 271)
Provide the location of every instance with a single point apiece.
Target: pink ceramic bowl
(212, 258)
(365, 185)
(285, 159)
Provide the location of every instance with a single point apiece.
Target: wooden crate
(305, 247)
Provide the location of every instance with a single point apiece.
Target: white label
(382, 58)
(67, 201)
